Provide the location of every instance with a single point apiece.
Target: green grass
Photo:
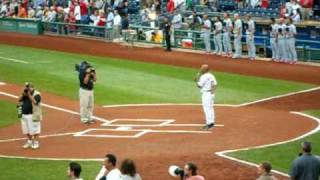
(281, 156)
(8, 114)
(43, 169)
(125, 82)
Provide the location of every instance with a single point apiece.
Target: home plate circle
(124, 128)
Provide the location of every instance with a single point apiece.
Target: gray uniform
(273, 41)
(305, 167)
(206, 34)
(218, 37)
(282, 42)
(226, 36)
(250, 39)
(291, 41)
(237, 31)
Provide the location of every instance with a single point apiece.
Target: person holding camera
(87, 78)
(31, 115)
(208, 84)
(189, 172)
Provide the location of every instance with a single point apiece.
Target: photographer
(190, 172)
(31, 115)
(87, 78)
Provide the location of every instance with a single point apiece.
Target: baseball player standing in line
(31, 115)
(227, 30)
(237, 31)
(217, 36)
(291, 41)
(208, 84)
(206, 29)
(250, 38)
(283, 57)
(274, 40)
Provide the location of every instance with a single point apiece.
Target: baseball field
(263, 110)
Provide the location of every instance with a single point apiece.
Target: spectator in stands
(170, 6)
(167, 33)
(4, 8)
(291, 40)
(22, 11)
(109, 171)
(227, 32)
(250, 30)
(93, 18)
(264, 170)
(265, 4)
(291, 8)
(83, 12)
(274, 40)
(306, 166)
(282, 42)
(237, 33)
(31, 12)
(39, 12)
(176, 20)
(52, 15)
(116, 25)
(306, 8)
(129, 171)
(74, 171)
(77, 12)
(196, 21)
(206, 30)
(190, 171)
(217, 33)
(125, 22)
(297, 16)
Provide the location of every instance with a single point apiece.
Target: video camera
(83, 66)
(176, 171)
(27, 87)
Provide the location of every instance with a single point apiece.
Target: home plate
(124, 128)
(2, 83)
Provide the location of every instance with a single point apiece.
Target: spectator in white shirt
(77, 12)
(129, 171)
(109, 170)
(116, 25)
(176, 20)
(74, 171)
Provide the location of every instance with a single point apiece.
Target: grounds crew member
(87, 78)
(31, 115)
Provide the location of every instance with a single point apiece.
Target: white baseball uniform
(205, 83)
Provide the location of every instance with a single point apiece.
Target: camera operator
(87, 78)
(31, 115)
(190, 172)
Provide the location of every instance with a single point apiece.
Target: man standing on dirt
(208, 84)
(31, 115)
(87, 78)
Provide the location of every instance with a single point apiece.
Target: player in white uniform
(282, 41)
(274, 40)
(208, 84)
(206, 29)
(250, 38)
(291, 41)
(227, 30)
(217, 36)
(237, 31)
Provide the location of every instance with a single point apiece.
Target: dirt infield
(252, 125)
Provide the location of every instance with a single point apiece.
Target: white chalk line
(56, 108)
(14, 60)
(49, 159)
(221, 105)
(2, 83)
(315, 130)
(42, 136)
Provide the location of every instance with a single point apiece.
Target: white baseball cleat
(35, 145)
(27, 145)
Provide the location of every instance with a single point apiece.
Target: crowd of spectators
(305, 167)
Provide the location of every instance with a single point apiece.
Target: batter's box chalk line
(118, 127)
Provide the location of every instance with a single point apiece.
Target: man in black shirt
(30, 102)
(167, 33)
(87, 78)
